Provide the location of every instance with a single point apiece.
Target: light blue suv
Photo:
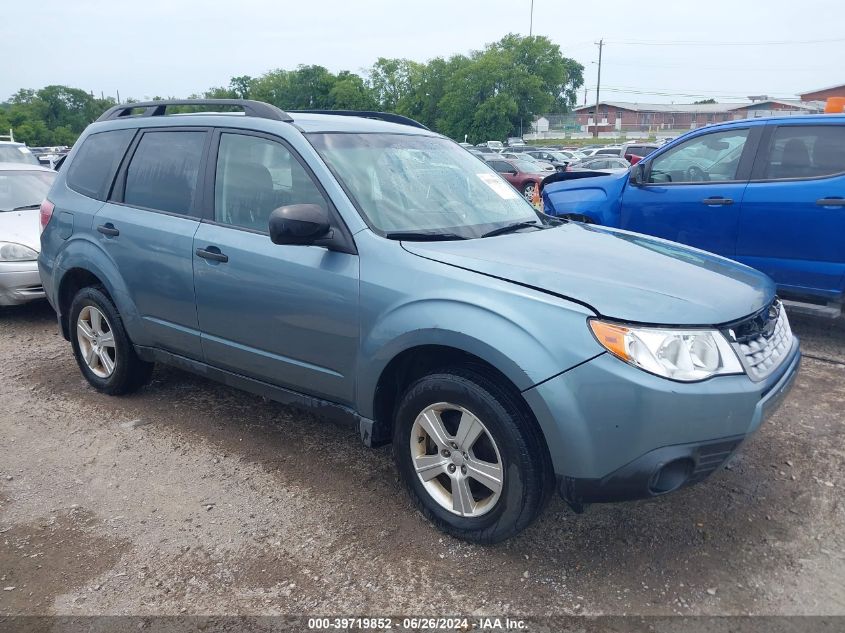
(373, 270)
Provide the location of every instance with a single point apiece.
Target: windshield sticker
(504, 191)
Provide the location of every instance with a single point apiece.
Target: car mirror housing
(636, 175)
(299, 224)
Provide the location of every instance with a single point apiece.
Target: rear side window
(164, 170)
(92, 170)
(807, 151)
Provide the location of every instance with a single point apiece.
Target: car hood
(620, 275)
(21, 227)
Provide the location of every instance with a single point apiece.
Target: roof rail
(8, 137)
(257, 109)
(369, 114)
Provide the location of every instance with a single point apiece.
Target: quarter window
(808, 151)
(709, 157)
(164, 170)
(255, 176)
(93, 168)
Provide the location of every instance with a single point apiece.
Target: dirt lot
(189, 497)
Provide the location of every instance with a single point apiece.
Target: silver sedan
(22, 189)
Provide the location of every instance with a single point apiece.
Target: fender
(524, 349)
(596, 196)
(83, 252)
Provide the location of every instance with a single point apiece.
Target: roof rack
(368, 114)
(257, 109)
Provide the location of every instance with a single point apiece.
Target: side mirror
(299, 224)
(636, 176)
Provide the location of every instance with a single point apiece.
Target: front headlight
(685, 355)
(11, 252)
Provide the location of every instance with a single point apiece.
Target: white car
(11, 152)
(23, 186)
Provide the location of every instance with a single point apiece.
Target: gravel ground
(190, 497)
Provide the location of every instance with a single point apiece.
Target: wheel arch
(82, 264)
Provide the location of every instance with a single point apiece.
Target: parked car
(767, 192)
(515, 141)
(542, 165)
(496, 146)
(609, 150)
(11, 152)
(524, 175)
(22, 188)
(557, 159)
(375, 271)
(606, 164)
(635, 152)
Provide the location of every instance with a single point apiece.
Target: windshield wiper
(413, 236)
(510, 228)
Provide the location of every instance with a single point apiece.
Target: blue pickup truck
(767, 192)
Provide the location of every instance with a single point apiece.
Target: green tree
(390, 80)
(351, 93)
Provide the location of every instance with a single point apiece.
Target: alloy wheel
(96, 341)
(456, 459)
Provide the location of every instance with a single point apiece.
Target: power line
(723, 43)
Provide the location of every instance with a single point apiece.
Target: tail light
(46, 213)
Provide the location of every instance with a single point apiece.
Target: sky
(659, 51)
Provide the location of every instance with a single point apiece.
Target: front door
(286, 315)
(693, 192)
(792, 225)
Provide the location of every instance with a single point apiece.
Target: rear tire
(482, 490)
(102, 348)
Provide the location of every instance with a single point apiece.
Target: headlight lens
(685, 355)
(11, 252)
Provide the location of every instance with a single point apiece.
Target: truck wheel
(470, 455)
(101, 346)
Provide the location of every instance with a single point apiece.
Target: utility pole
(600, 44)
(531, 24)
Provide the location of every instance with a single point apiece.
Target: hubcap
(96, 341)
(456, 459)
(529, 193)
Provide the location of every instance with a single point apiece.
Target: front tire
(102, 348)
(471, 456)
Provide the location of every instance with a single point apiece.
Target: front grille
(710, 457)
(762, 341)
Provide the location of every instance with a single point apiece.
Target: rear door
(286, 315)
(693, 191)
(792, 224)
(147, 227)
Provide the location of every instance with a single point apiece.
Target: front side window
(93, 168)
(163, 172)
(422, 184)
(255, 176)
(709, 157)
(808, 151)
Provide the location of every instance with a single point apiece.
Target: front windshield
(23, 189)
(404, 183)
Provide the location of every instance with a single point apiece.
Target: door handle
(831, 202)
(108, 230)
(214, 255)
(714, 201)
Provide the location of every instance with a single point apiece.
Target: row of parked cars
(525, 166)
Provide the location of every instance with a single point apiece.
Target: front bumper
(19, 283)
(616, 433)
